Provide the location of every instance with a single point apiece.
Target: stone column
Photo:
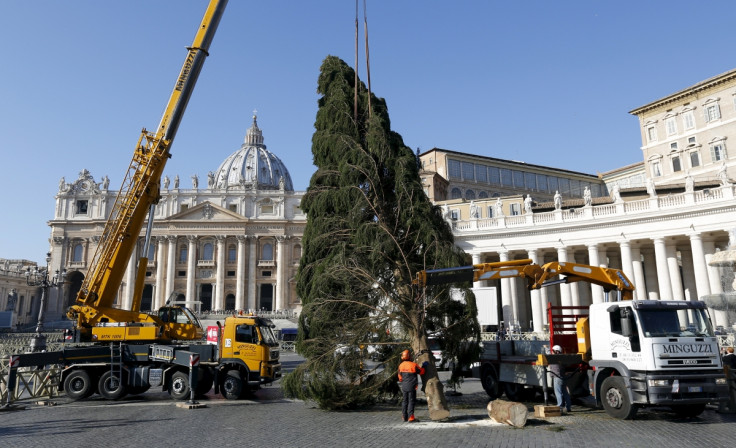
(252, 260)
(674, 271)
(639, 283)
(171, 266)
(130, 279)
(714, 278)
(663, 272)
(240, 273)
(507, 310)
(279, 300)
(160, 299)
(650, 273)
(594, 257)
(700, 268)
(191, 268)
(565, 296)
(626, 261)
(536, 299)
(688, 273)
(220, 273)
(476, 260)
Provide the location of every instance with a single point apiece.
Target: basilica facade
(229, 243)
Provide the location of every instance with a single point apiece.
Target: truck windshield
(674, 323)
(267, 335)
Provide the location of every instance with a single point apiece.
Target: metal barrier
(18, 343)
(287, 346)
(29, 383)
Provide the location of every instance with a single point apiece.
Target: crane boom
(140, 190)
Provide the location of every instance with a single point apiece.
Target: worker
(564, 402)
(409, 373)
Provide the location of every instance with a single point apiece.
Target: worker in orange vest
(409, 373)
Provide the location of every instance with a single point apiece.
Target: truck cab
(651, 352)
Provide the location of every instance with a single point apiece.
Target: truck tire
(110, 386)
(179, 386)
(232, 385)
(78, 385)
(490, 382)
(517, 392)
(688, 410)
(615, 399)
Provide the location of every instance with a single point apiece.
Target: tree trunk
(433, 389)
(508, 412)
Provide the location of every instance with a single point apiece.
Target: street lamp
(40, 277)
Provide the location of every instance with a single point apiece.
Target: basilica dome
(253, 166)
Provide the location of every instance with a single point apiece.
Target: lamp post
(40, 277)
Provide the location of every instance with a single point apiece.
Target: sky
(539, 81)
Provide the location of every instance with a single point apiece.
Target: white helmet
(556, 349)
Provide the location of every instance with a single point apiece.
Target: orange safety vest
(409, 373)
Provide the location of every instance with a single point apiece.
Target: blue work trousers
(564, 402)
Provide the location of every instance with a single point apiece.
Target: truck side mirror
(627, 323)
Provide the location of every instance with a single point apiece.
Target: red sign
(14, 361)
(193, 360)
(212, 334)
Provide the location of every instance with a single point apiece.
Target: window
(651, 134)
(676, 164)
(470, 194)
(231, 253)
(518, 179)
(656, 169)
(468, 171)
(483, 195)
(265, 273)
(717, 152)
(151, 251)
(181, 273)
(553, 184)
(454, 215)
(183, 254)
(82, 207)
(506, 177)
(671, 126)
(691, 141)
(233, 208)
(207, 251)
(542, 182)
(564, 186)
(515, 209)
(456, 193)
(694, 159)
(489, 211)
(480, 173)
(231, 273)
(267, 252)
(712, 112)
(673, 146)
(267, 209)
(530, 180)
(453, 168)
(78, 253)
(688, 119)
(494, 175)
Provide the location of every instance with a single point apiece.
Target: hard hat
(556, 349)
(405, 355)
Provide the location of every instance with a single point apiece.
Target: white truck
(626, 353)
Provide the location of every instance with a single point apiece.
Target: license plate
(695, 389)
(690, 361)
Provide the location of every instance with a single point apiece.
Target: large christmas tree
(370, 228)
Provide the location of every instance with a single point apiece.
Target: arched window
(267, 253)
(456, 193)
(151, 251)
(482, 195)
(183, 254)
(207, 251)
(297, 253)
(78, 252)
(231, 253)
(470, 194)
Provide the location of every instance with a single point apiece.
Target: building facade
(19, 303)
(231, 243)
(662, 223)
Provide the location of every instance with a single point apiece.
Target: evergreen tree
(370, 228)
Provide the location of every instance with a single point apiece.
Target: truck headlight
(721, 381)
(658, 383)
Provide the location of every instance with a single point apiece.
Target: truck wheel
(517, 392)
(615, 399)
(179, 387)
(688, 410)
(232, 385)
(111, 387)
(490, 382)
(78, 385)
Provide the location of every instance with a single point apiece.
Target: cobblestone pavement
(271, 420)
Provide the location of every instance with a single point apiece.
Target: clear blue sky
(545, 82)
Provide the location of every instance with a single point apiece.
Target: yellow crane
(95, 316)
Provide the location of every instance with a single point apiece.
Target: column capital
(172, 239)
(242, 238)
(221, 238)
(192, 238)
(281, 238)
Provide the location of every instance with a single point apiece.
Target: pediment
(206, 211)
